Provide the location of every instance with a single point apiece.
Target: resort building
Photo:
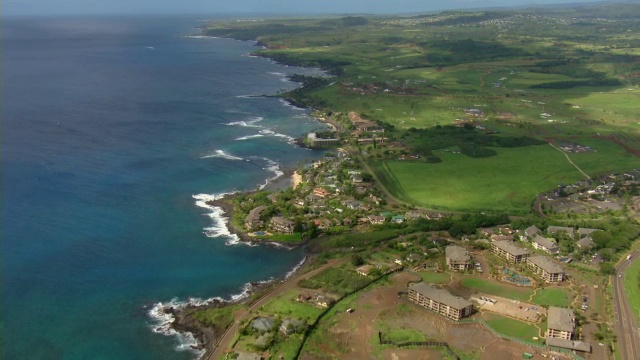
(544, 244)
(585, 243)
(253, 221)
(315, 141)
(561, 323)
(509, 251)
(531, 232)
(280, 224)
(545, 268)
(458, 258)
(440, 301)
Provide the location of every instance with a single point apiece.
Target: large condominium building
(545, 244)
(509, 251)
(545, 268)
(560, 323)
(440, 301)
(458, 258)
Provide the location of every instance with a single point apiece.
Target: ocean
(115, 130)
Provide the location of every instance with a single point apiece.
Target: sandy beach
(296, 179)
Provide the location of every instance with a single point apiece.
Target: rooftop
(439, 295)
(560, 319)
(546, 264)
(511, 248)
(457, 253)
(543, 241)
(555, 229)
(569, 344)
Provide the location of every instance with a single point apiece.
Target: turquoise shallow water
(110, 126)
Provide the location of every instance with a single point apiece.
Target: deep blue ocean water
(110, 126)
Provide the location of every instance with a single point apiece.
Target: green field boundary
(632, 287)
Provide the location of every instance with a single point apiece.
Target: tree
(607, 268)
(357, 260)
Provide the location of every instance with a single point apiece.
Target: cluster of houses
(336, 195)
(534, 235)
(604, 185)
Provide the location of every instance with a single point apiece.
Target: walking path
(570, 161)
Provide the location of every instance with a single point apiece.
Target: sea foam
(220, 223)
(222, 155)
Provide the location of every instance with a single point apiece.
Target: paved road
(625, 322)
(225, 342)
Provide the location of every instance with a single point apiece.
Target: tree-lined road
(625, 324)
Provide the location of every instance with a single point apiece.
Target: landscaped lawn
(435, 278)
(553, 297)
(496, 288)
(513, 328)
(632, 287)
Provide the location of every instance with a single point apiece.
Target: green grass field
(403, 335)
(513, 328)
(632, 287)
(553, 297)
(505, 182)
(435, 278)
(496, 288)
(285, 305)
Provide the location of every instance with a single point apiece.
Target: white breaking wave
(220, 223)
(290, 105)
(162, 320)
(250, 137)
(247, 96)
(222, 155)
(247, 123)
(273, 167)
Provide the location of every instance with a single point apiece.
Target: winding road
(625, 324)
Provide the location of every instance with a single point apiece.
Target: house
(544, 244)
(458, 258)
(560, 323)
(253, 221)
(413, 215)
(545, 268)
(352, 204)
(557, 229)
(357, 178)
(376, 219)
(280, 224)
(509, 251)
(440, 301)
(323, 301)
(321, 192)
(263, 324)
(586, 231)
(434, 216)
(291, 326)
(531, 232)
(365, 270)
(273, 198)
(585, 243)
(241, 355)
(398, 219)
